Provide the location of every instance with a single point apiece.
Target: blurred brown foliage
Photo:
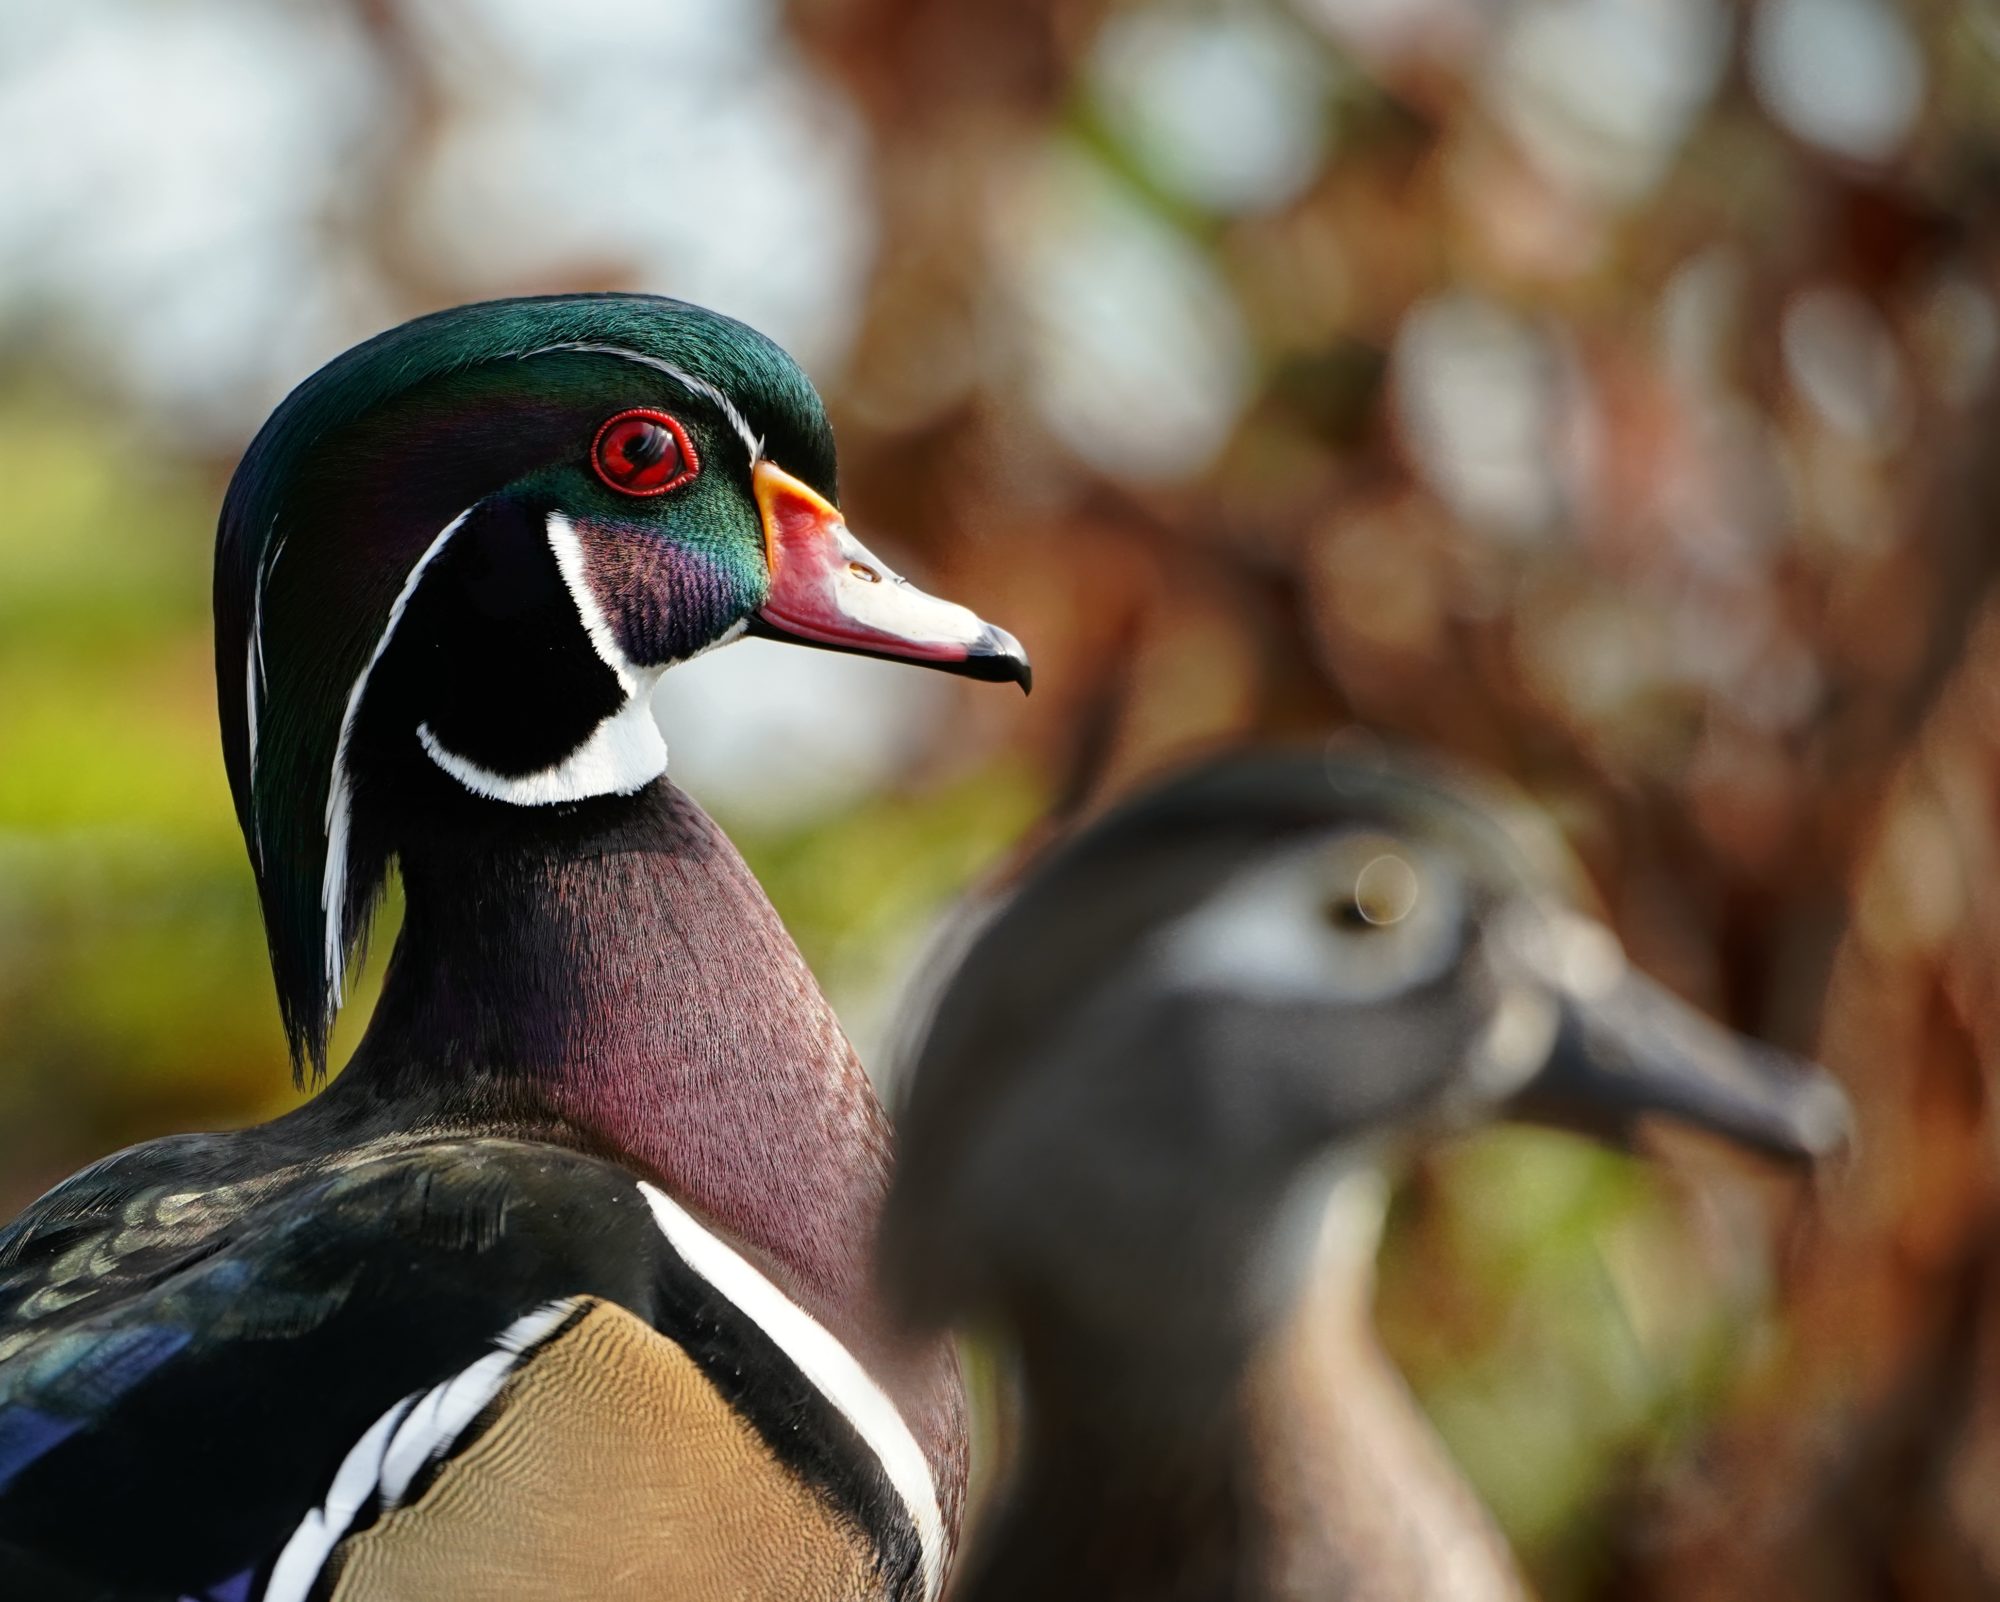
(1667, 496)
(1819, 867)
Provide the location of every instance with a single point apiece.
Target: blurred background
(1601, 390)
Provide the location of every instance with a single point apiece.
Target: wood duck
(1150, 1119)
(564, 1287)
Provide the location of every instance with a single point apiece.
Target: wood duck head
(602, 1179)
(1132, 1091)
(456, 560)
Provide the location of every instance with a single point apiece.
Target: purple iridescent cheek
(662, 601)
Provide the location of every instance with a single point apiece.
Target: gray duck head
(1262, 969)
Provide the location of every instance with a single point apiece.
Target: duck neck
(1154, 1445)
(1361, 1497)
(613, 969)
(1105, 1505)
(1310, 1473)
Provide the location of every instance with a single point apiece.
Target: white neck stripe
(339, 794)
(700, 386)
(621, 756)
(822, 1359)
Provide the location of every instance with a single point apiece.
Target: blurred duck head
(1266, 969)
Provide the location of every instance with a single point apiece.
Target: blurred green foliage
(131, 958)
(1549, 1308)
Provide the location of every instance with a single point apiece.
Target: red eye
(643, 453)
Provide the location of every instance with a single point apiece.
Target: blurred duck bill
(1623, 1049)
(830, 590)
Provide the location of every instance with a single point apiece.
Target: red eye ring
(643, 452)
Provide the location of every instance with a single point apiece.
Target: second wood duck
(1147, 1140)
(562, 1288)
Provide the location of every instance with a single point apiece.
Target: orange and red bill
(830, 590)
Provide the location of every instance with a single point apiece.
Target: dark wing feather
(184, 1366)
(184, 1370)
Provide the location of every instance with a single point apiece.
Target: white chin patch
(624, 754)
(621, 756)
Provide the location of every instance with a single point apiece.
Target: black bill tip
(1637, 1052)
(997, 657)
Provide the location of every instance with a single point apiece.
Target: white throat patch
(623, 754)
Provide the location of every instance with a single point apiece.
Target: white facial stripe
(699, 386)
(621, 756)
(1265, 934)
(255, 679)
(416, 1431)
(264, 584)
(250, 689)
(569, 560)
(339, 794)
(250, 717)
(822, 1360)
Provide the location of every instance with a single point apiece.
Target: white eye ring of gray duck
(1357, 918)
(1384, 892)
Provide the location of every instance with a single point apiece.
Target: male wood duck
(564, 1287)
(1147, 1136)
